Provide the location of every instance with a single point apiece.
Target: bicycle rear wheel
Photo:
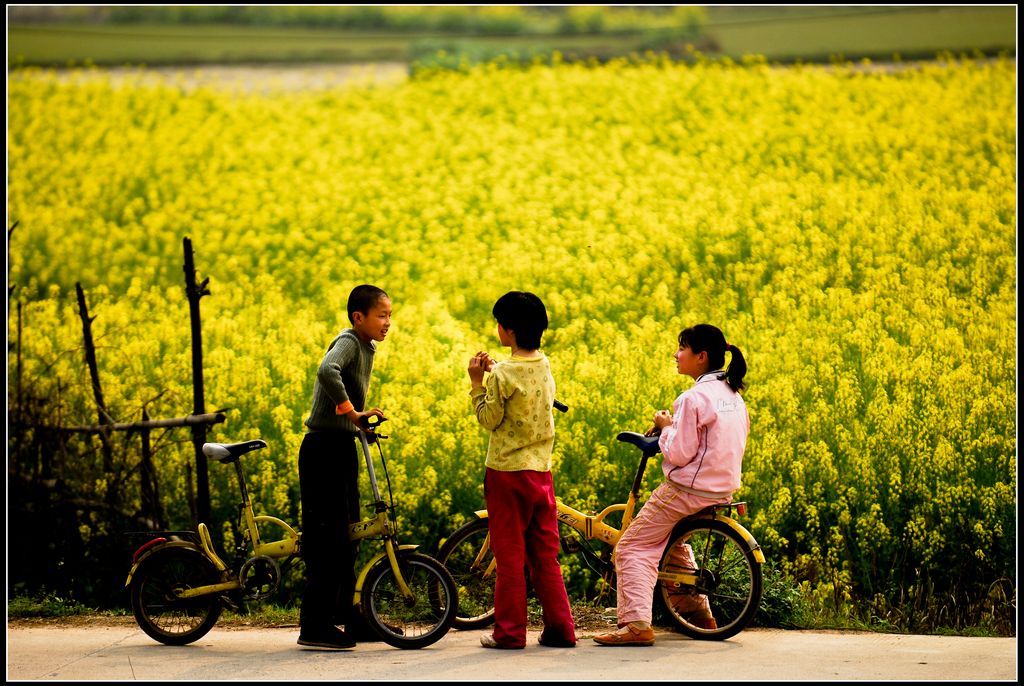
(159, 611)
(416, 621)
(467, 555)
(729, 582)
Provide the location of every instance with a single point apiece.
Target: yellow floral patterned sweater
(514, 404)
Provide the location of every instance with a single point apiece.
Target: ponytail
(710, 339)
(737, 369)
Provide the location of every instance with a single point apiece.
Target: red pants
(524, 538)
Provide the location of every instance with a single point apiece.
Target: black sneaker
(361, 632)
(331, 639)
(555, 642)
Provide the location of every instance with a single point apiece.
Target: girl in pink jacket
(702, 442)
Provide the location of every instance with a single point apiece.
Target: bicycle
(709, 555)
(179, 585)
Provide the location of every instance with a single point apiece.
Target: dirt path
(247, 78)
(278, 77)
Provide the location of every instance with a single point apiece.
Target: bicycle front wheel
(467, 555)
(729, 581)
(420, 619)
(158, 609)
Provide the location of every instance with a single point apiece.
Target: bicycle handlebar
(373, 421)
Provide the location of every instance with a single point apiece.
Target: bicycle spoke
(415, 620)
(468, 557)
(728, 581)
(160, 612)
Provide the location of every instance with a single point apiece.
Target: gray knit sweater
(343, 377)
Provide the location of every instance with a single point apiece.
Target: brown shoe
(702, 620)
(627, 636)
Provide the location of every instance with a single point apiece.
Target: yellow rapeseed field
(851, 230)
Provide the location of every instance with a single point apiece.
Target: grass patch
(815, 34)
(45, 604)
(153, 45)
(782, 34)
(165, 45)
(782, 603)
(263, 615)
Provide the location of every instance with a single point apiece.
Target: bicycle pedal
(230, 604)
(571, 545)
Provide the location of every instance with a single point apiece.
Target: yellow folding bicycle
(710, 560)
(179, 584)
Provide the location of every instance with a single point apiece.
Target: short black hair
(710, 339)
(362, 298)
(522, 313)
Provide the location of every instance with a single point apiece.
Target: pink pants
(640, 548)
(524, 537)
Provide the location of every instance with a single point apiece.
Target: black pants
(329, 488)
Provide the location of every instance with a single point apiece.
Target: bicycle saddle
(648, 444)
(229, 452)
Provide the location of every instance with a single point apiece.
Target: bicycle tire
(405, 623)
(159, 612)
(730, 578)
(474, 583)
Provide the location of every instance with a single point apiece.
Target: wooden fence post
(14, 410)
(195, 291)
(17, 377)
(97, 391)
(190, 495)
(151, 508)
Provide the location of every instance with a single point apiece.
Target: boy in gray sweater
(329, 472)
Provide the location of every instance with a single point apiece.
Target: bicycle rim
(416, 621)
(160, 613)
(467, 556)
(729, 581)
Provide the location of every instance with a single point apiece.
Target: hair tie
(727, 346)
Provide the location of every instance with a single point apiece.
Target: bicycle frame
(283, 548)
(378, 526)
(593, 526)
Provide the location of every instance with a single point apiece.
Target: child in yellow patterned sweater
(515, 405)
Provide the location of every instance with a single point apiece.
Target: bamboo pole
(195, 291)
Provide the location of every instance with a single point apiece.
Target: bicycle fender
(207, 543)
(755, 548)
(156, 548)
(373, 561)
